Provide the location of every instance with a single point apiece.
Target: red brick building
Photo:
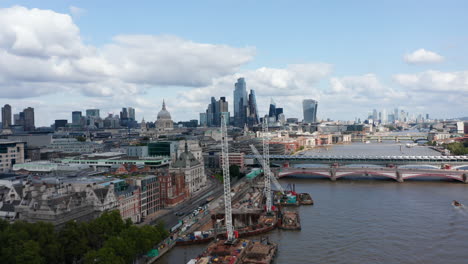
(173, 189)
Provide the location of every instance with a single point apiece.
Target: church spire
(164, 105)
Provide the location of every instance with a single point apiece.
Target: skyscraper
(29, 119)
(124, 114)
(6, 116)
(92, 113)
(76, 117)
(215, 109)
(272, 110)
(240, 102)
(309, 106)
(384, 116)
(252, 119)
(131, 113)
(375, 115)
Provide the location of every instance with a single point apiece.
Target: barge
(290, 221)
(305, 199)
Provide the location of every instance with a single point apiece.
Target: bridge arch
(302, 172)
(409, 166)
(461, 166)
(373, 173)
(437, 175)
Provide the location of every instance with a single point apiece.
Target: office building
(272, 110)
(214, 111)
(11, 153)
(309, 106)
(76, 117)
(92, 113)
(203, 119)
(59, 123)
(253, 110)
(28, 117)
(6, 116)
(240, 102)
(124, 114)
(131, 113)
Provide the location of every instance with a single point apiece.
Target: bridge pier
(399, 176)
(397, 139)
(465, 178)
(333, 174)
(379, 139)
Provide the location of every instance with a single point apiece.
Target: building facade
(164, 120)
(11, 153)
(309, 107)
(6, 116)
(192, 168)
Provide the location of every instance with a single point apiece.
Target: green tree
(30, 253)
(104, 255)
(81, 138)
(100, 229)
(234, 171)
(74, 241)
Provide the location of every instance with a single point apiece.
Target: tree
(81, 138)
(30, 253)
(104, 255)
(74, 241)
(234, 171)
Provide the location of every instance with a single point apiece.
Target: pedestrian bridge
(286, 160)
(397, 174)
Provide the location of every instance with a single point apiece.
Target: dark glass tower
(310, 110)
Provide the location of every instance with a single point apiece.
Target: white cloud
(76, 12)
(169, 60)
(423, 56)
(287, 86)
(435, 81)
(42, 52)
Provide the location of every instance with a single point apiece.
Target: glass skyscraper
(240, 102)
(310, 110)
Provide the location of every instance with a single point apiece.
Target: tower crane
(266, 164)
(226, 181)
(267, 170)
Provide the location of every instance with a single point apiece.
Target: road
(170, 219)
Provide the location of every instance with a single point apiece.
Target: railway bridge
(437, 161)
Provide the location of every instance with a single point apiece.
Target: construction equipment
(226, 181)
(267, 170)
(266, 164)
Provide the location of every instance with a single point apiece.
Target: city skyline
(78, 67)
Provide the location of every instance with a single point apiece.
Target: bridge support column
(397, 139)
(465, 178)
(379, 139)
(399, 176)
(333, 174)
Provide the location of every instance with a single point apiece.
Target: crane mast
(267, 170)
(226, 180)
(266, 165)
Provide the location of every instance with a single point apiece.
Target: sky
(60, 56)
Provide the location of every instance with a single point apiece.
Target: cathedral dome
(164, 114)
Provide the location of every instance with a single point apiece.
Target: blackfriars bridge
(394, 167)
(398, 174)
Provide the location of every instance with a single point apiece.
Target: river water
(357, 220)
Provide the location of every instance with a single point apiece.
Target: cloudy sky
(60, 56)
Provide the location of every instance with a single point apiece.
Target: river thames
(377, 220)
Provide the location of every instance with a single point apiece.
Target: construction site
(246, 209)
